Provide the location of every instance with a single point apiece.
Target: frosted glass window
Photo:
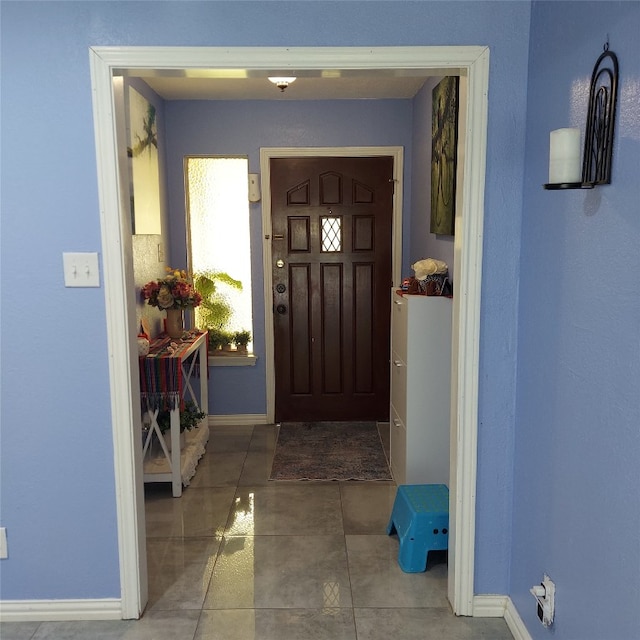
(331, 234)
(218, 223)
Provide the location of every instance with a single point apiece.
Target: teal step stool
(421, 518)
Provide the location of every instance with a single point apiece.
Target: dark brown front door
(331, 257)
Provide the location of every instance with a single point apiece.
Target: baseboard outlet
(238, 419)
(55, 610)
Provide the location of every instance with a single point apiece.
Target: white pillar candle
(564, 156)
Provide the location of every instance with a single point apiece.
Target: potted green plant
(227, 340)
(220, 340)
(241, 339)
(216, 339)
(214, 311)
(190, 418)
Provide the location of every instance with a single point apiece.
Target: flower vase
(174, 324)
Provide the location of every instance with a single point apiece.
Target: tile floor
(240, 558)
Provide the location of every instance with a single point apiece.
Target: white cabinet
(420, 388)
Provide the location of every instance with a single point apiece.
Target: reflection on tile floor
(240, 558)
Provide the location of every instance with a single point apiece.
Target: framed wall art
(145, 172)
(444, 145)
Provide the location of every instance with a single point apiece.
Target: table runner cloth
(161, 383)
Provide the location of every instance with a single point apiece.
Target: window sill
(233, 360)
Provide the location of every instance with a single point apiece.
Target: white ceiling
(317, 85)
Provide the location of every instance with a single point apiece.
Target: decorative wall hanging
(564, 144)
(145, 172)
(444, 148)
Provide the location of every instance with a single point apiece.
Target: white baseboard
(489, 606)
(240, 419)
(496, 606)
(53, 610)
(514, 622)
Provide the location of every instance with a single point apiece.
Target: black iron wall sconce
(564, 147)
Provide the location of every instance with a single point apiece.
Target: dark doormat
(329, 451)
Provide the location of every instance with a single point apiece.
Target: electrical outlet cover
(4, 552)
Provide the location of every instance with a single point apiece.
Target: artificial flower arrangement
(174, 291)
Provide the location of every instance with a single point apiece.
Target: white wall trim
(233, 361)
(53, 610)
(497, 606)
(514, 622)
(465, 367)
(266, 153)
(239, 419)
(489, 606)
(438, 58)
(117, 265)
(471, 61)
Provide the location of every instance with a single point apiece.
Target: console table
(167, 380)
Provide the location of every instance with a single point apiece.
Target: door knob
(281, 288)
(281, 309)
(279, 264)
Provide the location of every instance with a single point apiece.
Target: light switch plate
(81, 270)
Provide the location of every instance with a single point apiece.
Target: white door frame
(266, 153)
(471, 62)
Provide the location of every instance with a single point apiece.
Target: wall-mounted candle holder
(564, 144)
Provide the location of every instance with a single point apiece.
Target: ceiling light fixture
(281, 82)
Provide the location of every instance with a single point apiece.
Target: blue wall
(241, 128)
(57, 455)
(576, 465)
